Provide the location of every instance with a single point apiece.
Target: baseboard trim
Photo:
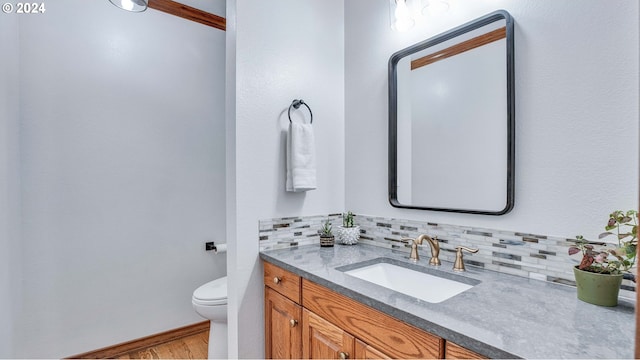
(124, 348)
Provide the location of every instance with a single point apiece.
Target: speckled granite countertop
(504, 316)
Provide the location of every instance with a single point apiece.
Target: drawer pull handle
(343, 355)
(277, 280)
(293, 322)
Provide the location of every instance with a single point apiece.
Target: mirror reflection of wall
(452, 102)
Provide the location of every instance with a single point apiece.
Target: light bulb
(402, 17)
(131, 5)
(127, 4)
(402, 11)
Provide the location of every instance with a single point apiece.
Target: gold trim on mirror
(470, 44)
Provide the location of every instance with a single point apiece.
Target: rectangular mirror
(452, 122)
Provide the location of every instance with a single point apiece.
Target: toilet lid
(212, 293)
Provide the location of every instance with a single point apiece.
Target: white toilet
(210, 301)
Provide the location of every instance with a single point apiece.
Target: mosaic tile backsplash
(294, 231)
(532, 256)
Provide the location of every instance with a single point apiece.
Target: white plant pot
(348, 236)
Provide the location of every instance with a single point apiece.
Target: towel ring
(296, 105)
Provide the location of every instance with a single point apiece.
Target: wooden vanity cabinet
(306, 320)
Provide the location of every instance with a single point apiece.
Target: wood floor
(187, 342)
(190, 347)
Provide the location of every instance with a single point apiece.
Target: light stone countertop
(504, 316)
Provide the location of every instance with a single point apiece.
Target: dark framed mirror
(452, 120)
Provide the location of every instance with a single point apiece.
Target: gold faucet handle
(406, 240)
(413, 256)
(460, 248)
(458, 265)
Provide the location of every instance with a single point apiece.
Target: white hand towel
(301, 158)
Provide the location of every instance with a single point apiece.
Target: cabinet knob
(343, 355)
(293, 322)
(277, 280)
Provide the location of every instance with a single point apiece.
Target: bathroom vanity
(307, 320)
(315, 309)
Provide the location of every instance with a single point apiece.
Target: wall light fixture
(131, 5)
(434, 7)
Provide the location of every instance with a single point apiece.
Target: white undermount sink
(427, 287)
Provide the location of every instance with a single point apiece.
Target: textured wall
(284, 50)
(576, 111)
(122, 164)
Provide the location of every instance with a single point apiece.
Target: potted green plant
(600, 272)
(326, 235)
(348, 233)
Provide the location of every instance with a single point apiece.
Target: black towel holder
(296, 105)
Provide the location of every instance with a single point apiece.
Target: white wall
(122, 163)
(576, 111)
(9, 182)
(285, 50)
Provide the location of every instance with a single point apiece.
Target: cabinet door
(323, 340)
(364, 351)
(282, 326)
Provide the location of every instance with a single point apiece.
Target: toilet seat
(212, 293)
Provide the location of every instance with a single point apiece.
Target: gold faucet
(433, 243)
(458, 265)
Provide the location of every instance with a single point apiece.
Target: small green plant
(622, 225)
(347, 220)
(326, 229)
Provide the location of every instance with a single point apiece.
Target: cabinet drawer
(282, 281)
(455, 351)
(397, 339)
